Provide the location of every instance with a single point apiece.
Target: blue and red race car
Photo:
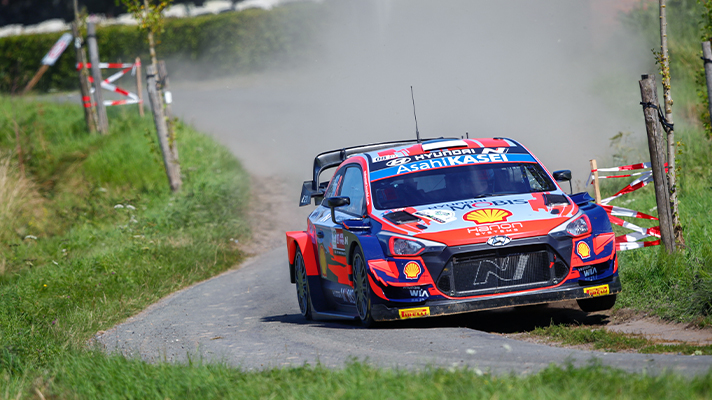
(423, 228)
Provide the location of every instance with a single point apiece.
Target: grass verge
(102, 377)
(602, 339)
(96, 234)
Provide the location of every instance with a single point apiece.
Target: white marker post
(49, 59)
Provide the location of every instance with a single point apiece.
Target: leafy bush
(232, 42)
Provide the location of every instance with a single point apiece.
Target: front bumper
(568, 291)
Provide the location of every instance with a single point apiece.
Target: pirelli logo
(414, 312)
(594, 291)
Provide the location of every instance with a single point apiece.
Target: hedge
(232, 42)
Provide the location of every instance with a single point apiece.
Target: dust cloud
(558, 76)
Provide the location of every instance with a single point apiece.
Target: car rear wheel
(300, 272)
(597, 303)
(362, 289)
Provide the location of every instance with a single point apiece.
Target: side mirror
(333, 202)
(564, 175)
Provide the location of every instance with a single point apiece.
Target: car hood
(474, 221)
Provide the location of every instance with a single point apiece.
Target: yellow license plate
(414, 312)
(594, 291)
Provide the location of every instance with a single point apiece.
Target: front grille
(477, 273)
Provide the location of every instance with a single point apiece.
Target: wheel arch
(301, 240)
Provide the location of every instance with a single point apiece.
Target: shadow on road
(505, 321)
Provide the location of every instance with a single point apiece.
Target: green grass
(110, 236)
(95, 376)
(602, 339)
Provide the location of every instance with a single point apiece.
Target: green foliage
(220, 44)
(150, 18)
(602, 339)
(97, 376)
(115, 238)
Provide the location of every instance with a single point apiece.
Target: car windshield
(464, 182)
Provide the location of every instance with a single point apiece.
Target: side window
(334, 186)
(352, 188)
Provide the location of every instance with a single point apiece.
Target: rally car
(443, 226)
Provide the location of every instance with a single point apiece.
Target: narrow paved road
(249, 318)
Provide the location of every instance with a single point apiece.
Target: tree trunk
(170, 160)
(667, 98)
(649, 95)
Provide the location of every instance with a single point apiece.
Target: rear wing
(334, 158)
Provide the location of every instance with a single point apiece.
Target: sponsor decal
(338, 244)
(439, 216)
(594, 291)
(497, 241)
(384, 158)
(583, 250)
(487, 215)
(506, 271)
(412, 270)
(414, 312)
(499, 150)
(449, 162)
(322, 260)
(419, 293)
(488, 230)
(398, 161)
(469, 204)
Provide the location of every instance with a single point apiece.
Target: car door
(330, 236)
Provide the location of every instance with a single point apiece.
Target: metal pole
(102, 119)
(139, 88)
(83, 79)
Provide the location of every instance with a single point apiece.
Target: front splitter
(381, 312)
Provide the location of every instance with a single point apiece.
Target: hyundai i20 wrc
(416, 229)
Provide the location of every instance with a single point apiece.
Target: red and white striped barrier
(108, 85)
(631, 240)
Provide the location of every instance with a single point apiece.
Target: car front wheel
(362, 289)
(300, 272)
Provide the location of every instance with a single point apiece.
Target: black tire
(362, 289)
(597, 303)
(300, 277)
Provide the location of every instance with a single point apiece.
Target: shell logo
(487, 215)
(412, 270)
(583, 250)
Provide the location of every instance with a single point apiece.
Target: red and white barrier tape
(107, 83)
(636, 245)
(631, 167)
(631, 187)
(625, 212)
(107, 65)
(631, 240)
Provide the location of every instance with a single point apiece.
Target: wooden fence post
(89, 115)
(707, 57)
(168, 99)
(596, 187)
(102, 119)
(649, 95)
(139, 88)
(169, 160)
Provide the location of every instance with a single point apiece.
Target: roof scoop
(443, 144)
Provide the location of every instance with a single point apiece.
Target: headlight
(405, 247)
(578, 227)
(401, 246)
